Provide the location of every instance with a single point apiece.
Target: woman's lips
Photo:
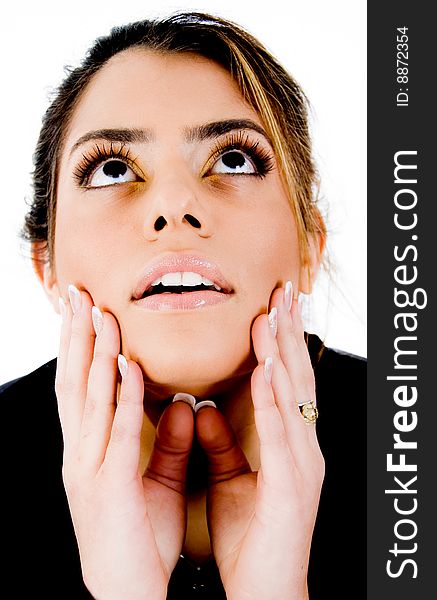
(189, 269)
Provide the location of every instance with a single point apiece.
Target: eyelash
(96, 156)
(261, 158)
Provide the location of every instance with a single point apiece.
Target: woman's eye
(110, 172)
(234, 161)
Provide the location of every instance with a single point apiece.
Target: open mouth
(181, 282)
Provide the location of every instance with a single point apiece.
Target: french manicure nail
(97, 318)
(62, 308)
(300, 302)
(273, 320)
(75, 299)
(122, 365)
(288, 294)
(268, 369)
(184, 397)
(203, 403)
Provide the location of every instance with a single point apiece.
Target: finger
(265, 344)
(174, 437)
(61, 363)
(123, 450)
(292, 346)
(293, 350)
(226, 459)
(76, 369)
(294, 353)
(100, 402)
(64, 341)
(284, 393)
(277, 461)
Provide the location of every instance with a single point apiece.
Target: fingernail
(184, 397)
(268, 369)
(273, 320)
(288, 294)
(62, 308)
(300, 302)
(75, 299)
(97, 318)
(203, 403)
(122, 365)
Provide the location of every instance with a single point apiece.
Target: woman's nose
(175, 209)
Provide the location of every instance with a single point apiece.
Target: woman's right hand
(130, 526)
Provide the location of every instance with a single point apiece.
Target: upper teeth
(187, 278)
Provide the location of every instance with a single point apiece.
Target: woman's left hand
(261, 524)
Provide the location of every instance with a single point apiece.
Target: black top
(40, 546)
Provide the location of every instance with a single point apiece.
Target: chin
(201, 371)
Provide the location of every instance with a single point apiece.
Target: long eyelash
(95, 157)
(262, 158)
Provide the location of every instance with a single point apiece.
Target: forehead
(158, 91)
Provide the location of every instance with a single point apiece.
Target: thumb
(174, 437)
(226, 459)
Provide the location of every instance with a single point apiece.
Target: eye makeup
(261, 158)
(240, 141)
(97, 155)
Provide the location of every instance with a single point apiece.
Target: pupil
(233, 160)
(114, 168)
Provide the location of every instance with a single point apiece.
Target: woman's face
(164, 165)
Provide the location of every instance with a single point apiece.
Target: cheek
(270, 249)
(86, 250)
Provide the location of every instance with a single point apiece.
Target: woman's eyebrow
(124, 135)
(218, 128)
(192, 134)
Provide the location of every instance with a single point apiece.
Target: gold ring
(309, 411)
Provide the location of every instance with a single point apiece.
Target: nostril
(160, 223)
(192, 221)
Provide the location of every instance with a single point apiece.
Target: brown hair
(263, 82)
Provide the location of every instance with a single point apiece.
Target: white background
(323, 44)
